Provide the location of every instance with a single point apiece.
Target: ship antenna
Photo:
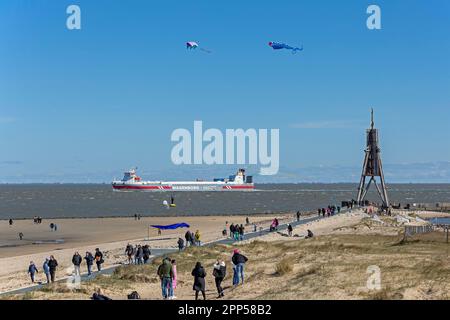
(371, 119)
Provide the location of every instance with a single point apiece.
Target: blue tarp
(171, 226)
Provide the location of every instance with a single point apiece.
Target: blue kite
(171, 226)
(279, 45)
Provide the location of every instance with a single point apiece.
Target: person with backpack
(89, 262)
(129, 253)
(46, 270)
(165, 274)
(76, 260)
(219, 273)
(52, 264)
(98, 259)
(239, 260)
(199, 275)
(32, 270)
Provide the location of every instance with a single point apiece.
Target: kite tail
(205, 50)
(294, 51)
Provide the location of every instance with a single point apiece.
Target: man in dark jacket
(99, 259)
(180, 244)
(147, 253)
(89, 262)
(76, 260)
(187, 236)
(239, 261)
(52, 264)
(165, 273)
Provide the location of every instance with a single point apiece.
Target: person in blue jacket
(32, 270)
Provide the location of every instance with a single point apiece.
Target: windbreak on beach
(171, 226)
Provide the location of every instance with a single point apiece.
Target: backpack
(134, 296)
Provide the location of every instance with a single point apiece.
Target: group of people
(50, 265)
(167, 272)
(329, 211)
(37, 220)
(237, 232)
(138, 254)
(274, 225)
(192, 239)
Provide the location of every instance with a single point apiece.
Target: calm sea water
(77, 200)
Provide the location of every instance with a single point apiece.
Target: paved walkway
(160, 252)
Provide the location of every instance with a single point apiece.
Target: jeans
(99, 266)
(77, 270)
(32, 277)
(240, 272)
(52, 275)
(166, 285)
(89, 267)
(235, 276)
(47, 275)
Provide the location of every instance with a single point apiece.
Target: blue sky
(107, 97)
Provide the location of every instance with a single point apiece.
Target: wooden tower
(372, 167)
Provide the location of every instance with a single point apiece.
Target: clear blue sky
(108, 96)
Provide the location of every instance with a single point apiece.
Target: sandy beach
(111, 235)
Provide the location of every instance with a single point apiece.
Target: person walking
(138, 258)
(129, 253)
(180, 244)
(290, 229)
(199, 275)
(76, 260)
(241, 232)
(165, 274)
(147, 253)
(174, 279)
(46, 270)
(187, 237)
(89, 262)
(98, 259)
(239, 260)
(32, 270)
(10, 222)
(21, 236)
(52, 264)
(219, 273)
(197, 238)
(298, 215)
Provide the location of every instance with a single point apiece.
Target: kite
(279, 45)
(191, 45)
(171, 226)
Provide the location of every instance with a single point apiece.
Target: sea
(23, 201)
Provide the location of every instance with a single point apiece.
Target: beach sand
(111, 235)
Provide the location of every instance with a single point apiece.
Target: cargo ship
(131, 182)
